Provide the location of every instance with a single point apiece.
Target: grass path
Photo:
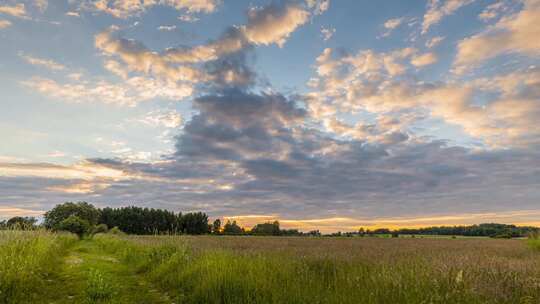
(91, 276)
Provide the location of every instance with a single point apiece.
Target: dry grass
(372, 269)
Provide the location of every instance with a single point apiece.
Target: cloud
(130, 8)
(219, 62)
(327, 33)
(47, 63)
(132, 91)
(73, 14)
(384, 84)
(349, 152)
(435, 41)
(41, 5)
(4, 24)
(170, 119)
(424, 59)
(18, 10)
(392, 24)
(9, 212)
(512, 34)
(166, 28)
(494, 10)
(438, 9)
(273, 23)
(188, 18)
(318, 6)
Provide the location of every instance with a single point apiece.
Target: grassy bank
(301, 270)
(28, 260)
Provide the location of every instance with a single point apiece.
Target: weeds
(98, 287)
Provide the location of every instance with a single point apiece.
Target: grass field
(40, 267)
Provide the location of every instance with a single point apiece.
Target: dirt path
(91, 276)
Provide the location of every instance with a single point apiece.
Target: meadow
(44, 267)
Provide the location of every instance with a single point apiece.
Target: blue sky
(337, 114)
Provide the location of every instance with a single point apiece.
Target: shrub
(116, 230)
(75, 225)
(101, 228)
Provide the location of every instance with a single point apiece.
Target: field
(42, 267)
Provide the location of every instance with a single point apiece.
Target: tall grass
(290, 276)
(534, 240)
(98, 287)
(27, 260)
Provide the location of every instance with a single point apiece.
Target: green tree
(195, 223)
(216, 226)
(24, 223)
(74, 224)
(232, 228)
(267, 229)
(82, 210)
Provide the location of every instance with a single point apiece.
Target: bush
(116, 230)
(75, 225)
(101, 228)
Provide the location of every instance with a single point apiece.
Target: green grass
(281, 276)
(534, 243)
(41, 267)
(28, 261)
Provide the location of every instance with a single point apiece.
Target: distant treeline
(83, 218)
(490, 230)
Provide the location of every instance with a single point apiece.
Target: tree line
(84, 218)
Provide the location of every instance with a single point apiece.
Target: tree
(232, 228)
(23, 223)
(216, 226)
(74, 224)
(82, 210)
(266, 229)
(195, 223)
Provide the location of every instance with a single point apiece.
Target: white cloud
(166, 119)
(517, 33)
(41, 5)
(188, 18)
(47, 63)
(18, 10)
(4, 24)
(130, 92)
(438, 9)
(494, 10)
(129, 8)
(327, 33)
(433, 42)
(274, 24)
(318, 6)
(424, 59)
(393, 23)
(167, 28)
(73, 14)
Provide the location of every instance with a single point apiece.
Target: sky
(323, 114)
